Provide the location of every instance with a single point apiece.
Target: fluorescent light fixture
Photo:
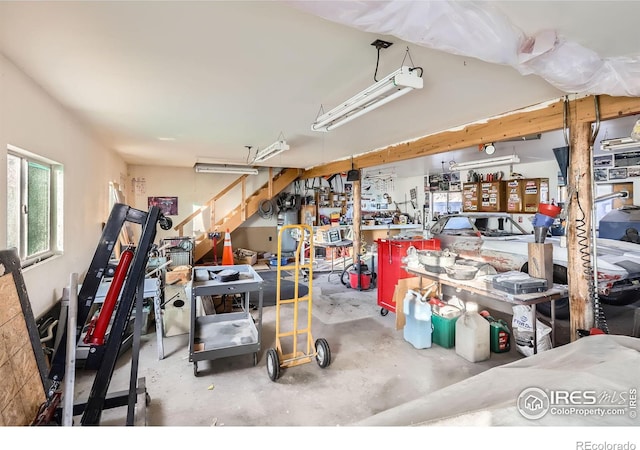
(395, 85)
(618, 144)
(271, 151)
(224, 168)
(499, 161)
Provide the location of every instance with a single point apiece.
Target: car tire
(626, 298)
(562, 304)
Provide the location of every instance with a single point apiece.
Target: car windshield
(471, 225)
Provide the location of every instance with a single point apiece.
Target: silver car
(496, 239)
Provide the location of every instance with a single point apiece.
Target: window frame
(56, 211)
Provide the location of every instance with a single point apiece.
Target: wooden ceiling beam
(519, 123)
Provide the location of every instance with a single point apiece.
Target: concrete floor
(372, 369)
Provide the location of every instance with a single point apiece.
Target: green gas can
(500, 336)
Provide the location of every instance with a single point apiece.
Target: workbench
(151, 291)
(478, 291)
(227, 334)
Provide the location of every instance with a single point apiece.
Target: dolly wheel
(255, 359)
(195, 368)
(323, 353)
(273, 364)
(384, 312)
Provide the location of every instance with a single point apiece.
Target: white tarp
(602, 371)
(480, 30)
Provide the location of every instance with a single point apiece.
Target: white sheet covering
(482, 31)
(606, 365)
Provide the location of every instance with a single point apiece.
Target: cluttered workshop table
(481, 291)
(342, 245)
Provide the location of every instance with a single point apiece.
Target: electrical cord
(600, 320)
(375, 74)
(418, 68)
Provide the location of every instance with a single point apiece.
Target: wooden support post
(243, 205)
(579, 240)
(541, 261)
(357, 219)
(212, 215)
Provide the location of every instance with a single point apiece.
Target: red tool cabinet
(390, 254)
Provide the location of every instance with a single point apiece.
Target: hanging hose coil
(265, 209)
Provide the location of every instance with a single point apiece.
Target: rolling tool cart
(303, 348)
(228, 334)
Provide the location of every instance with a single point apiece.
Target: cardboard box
(492, 196)
(535, 191)
(514, 196)
(470, 197)
(244, 256)
(328, 234)
(181, 274)
(217, 304)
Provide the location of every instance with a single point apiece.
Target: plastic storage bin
(417, 328)
(473, 335)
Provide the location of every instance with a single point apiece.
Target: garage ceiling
(175, 83)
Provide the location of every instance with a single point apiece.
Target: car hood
(616, 258)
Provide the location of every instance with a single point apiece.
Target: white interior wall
(541, 169)
(32, 120)
(193, 190)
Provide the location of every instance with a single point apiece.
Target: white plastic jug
(473, 336)
(417, 328)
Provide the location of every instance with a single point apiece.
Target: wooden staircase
(237, 216)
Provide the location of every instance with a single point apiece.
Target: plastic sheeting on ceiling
(480, 30)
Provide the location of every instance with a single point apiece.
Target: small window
(34, 206)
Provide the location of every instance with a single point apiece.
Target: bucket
(549, 210)
(417, 329)
(274, 261)
(473, 336)
(365, 280)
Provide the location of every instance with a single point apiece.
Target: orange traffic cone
(227, 252)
